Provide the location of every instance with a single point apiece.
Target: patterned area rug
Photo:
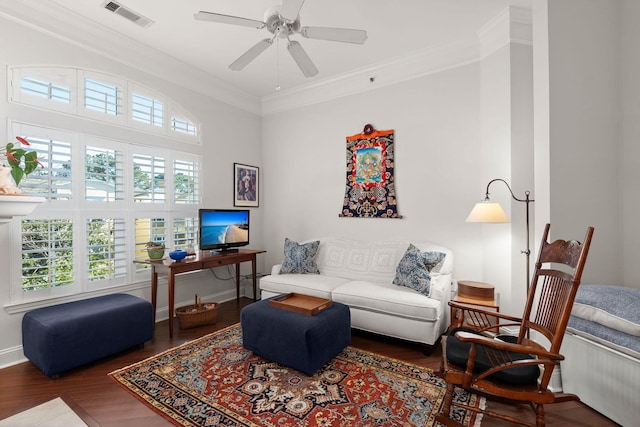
(215, 381)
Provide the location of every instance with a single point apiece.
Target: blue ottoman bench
(305, 343)
(65, 336)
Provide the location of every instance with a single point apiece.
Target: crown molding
(65, 25)
(409, 67)
(511, 26)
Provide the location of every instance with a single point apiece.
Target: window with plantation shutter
(184, 126)
(54, 179)
(106, 195)
(185, 181)
(102, 97)
(147, 230)
(51, 88)
(100, 219)
(148, 179)
(147, 110)
(185, 232)
(45, 89)
(47, 253)
(104, 174)
(106, 249)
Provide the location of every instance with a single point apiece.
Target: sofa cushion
(300, 258)
(413, 269)
(358, 260)
(387, 298)
(316, 285)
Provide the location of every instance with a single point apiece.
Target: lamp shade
(487, 212)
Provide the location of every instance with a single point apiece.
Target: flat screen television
(223, 229)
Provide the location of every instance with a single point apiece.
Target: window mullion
(80, 248)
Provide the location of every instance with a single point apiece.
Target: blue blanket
(612, 306)
(604, 335)
(609, 313)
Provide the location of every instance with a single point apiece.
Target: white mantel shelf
(17, 205)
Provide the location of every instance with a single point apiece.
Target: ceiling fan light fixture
(290, 9)
(227, 19)
(283, 21)
(251, 54)
(345, 35)
(305, 64)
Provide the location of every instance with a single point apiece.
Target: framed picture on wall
(246, 179)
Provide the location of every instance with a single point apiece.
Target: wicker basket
(192, 316)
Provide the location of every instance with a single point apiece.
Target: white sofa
(360, 275)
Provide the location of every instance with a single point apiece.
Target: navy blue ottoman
(65, 336)
(305, 343)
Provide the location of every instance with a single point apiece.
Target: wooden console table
(203, 260)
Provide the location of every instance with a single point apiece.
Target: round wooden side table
(475, 294)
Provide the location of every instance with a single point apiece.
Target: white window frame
(120, 186)
(75, 79)
(80, 210)
(175, 111)
(136, 89)
(66, 77)
(121, 117)
(155, 155)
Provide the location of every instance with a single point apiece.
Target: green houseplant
(20, 161)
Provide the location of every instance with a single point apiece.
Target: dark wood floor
(103, 403)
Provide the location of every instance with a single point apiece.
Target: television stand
(202, 261)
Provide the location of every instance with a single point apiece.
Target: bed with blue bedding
(602, 351)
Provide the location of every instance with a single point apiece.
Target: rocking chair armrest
(495, 314)
(533, 348)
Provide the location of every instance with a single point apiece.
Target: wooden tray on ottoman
(304, 304)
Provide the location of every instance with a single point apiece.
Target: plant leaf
(30, 162)
(17, 175)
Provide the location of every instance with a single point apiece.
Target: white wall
(629, 158)
(454, 132)
(507, 141)
(438, 177)
(585, 130)
(229, 135)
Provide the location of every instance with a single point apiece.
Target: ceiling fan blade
(346, 35)
(302, 59)
(250, 55)
(228, 19)
(290, 9)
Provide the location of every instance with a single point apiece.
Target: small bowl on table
(155, 252)
(177, 255)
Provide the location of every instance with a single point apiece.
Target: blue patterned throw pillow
(300, 258)
(431, 259)
(414, 267)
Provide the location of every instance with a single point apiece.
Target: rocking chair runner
(484, 362)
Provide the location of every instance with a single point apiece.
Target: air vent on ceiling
(127, 13)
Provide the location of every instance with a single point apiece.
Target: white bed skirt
(604, 378)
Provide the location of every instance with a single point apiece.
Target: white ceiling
(396, 29)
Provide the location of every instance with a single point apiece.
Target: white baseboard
(11, 356)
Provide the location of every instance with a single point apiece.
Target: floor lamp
(488, 211)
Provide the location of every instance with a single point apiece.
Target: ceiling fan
(283, 21)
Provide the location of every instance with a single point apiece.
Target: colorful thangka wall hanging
(370, 191)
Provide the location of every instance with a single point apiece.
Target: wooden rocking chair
(516, 369)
